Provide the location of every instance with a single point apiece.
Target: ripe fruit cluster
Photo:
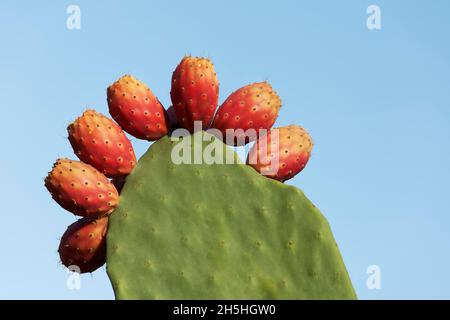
(90, 188)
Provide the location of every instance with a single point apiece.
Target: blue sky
(377, 104)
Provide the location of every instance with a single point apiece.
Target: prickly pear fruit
(136, 109)
(290, 154)
(254, 106)
(81, 189)
(100, 142)
(84, 244)
(195, 92)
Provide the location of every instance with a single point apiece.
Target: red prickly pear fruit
(84, 244)
(283, 159)
(136, 109)
(100, 142)
(81, 189)
(174, 124)
(194, 92)
(254, 106)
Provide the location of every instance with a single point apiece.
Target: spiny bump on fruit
(194, 92)
(254, 106)
(81, 189)
(136, 109)
(100, 142)
(288, 157)
(84, 244)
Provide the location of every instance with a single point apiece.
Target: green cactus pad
(218, 232)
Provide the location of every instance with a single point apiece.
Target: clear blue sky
(377, 104)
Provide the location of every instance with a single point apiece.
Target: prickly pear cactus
(204, 231)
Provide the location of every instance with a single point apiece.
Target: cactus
(218, 232)
(180, 225)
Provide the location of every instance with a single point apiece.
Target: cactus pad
(218, 232)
